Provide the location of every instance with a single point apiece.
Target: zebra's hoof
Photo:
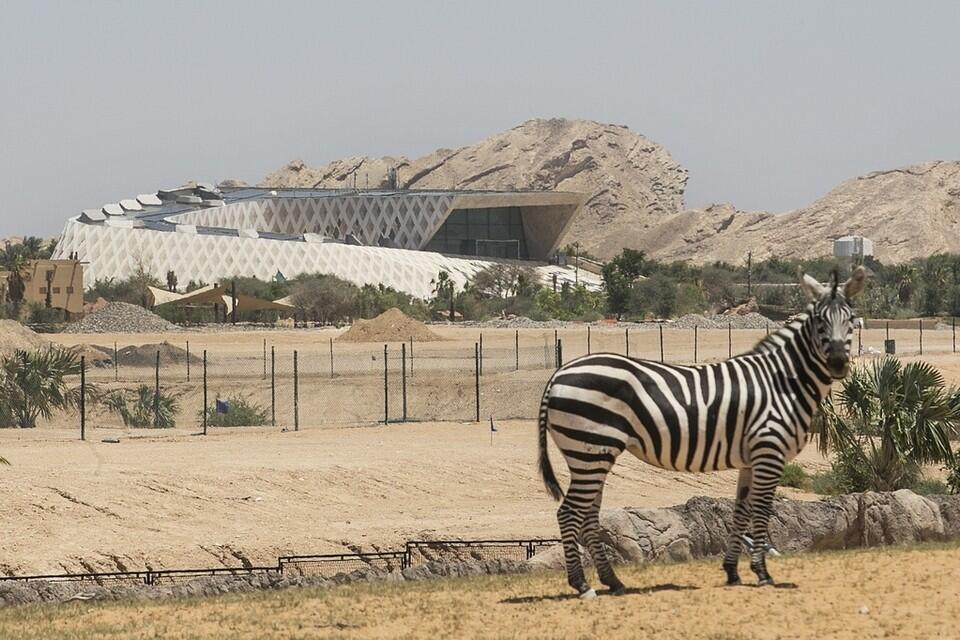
(765, 582)
(589, 594)
(734, 582)
(618, 591)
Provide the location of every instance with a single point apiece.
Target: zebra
(751, 412)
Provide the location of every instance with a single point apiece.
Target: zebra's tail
(546, 469)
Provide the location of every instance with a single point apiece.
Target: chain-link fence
(498, 374)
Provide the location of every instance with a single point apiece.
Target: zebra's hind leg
(741, 522)
(570, 515)
(591, 535)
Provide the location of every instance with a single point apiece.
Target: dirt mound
(95, 355)
(146, 355)
(121, 317)
(14, 335)
(392, 325)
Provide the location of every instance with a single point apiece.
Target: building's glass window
(69, 289)
(43, 290)
(493, 233)
(56, 289)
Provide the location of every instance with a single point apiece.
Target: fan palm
(33, 384)
(142, 407)
(886, 420)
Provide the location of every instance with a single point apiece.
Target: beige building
(54, 283)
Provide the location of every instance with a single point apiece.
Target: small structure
(852, 247)
(55, 284)
(216, 295)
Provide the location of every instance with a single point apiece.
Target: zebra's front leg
(741, 521)
(766, 478)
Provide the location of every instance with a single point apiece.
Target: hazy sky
(768, 104)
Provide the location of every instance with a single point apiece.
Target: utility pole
(749, 274)
(576, 266)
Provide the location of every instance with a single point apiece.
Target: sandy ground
(249, 495)
(175, 499)
(883, 593)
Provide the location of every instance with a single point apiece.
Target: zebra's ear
(810, 287)
(854, 285)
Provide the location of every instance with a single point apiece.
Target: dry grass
(885, 593)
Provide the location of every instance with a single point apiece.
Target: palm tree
(33, 384)
(143, 408)
(886, 421)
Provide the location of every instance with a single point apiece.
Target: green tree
(885, 421)
(655, 295)
(618, 277)
(327, 298)
(33, 384)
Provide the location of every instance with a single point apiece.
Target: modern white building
(399, 238)
(852, 246)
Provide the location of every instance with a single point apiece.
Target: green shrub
(794, 476)
(136, 407)
(241, 413)
(932, 487)
(825, 483)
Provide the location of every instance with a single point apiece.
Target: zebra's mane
(785, 334)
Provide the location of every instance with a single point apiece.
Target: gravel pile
(746, 321)
(121, 317)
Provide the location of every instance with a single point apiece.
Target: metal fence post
(559, 353)
(411, 355)
(729, 339)
(83, 397)
(273, 385)
(588, 339)
(331, 357)
(156, 392)
(205, 406)
(476, 377)
(386, 389)
(660, 326)
(516, 347)
(888, 329)
(954, 326)
(481, 354)
(264, 358)
(296, 393)
(626, 334)
(920, 322)
(188, 361)
(694, 344)
(403, 377)
(860, 341)
(116, 364)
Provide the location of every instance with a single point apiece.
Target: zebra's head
(832, 318)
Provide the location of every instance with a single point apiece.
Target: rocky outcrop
(630, 179)
(700, 527)
(636, 196)
(908, 212)
(17, 592)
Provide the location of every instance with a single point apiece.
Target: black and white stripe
(751, 412)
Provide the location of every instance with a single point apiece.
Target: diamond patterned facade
(204, 235)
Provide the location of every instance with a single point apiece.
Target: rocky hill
(632, 180)
(908, 212)
(636, 196)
